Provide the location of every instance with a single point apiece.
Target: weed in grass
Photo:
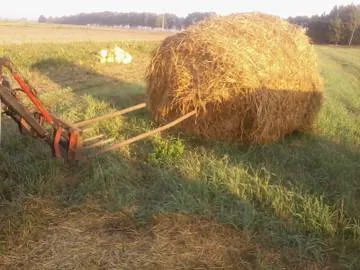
(167, 151)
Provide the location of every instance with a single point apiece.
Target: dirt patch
(48, 237)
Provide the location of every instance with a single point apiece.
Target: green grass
(301, 193)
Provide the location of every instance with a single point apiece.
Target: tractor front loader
(65, 139)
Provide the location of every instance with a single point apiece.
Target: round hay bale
(251, 78)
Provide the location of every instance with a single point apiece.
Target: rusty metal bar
(110, 115)
(144, 135)
(21, 111)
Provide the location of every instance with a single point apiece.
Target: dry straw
(44, 236)
(250, 77)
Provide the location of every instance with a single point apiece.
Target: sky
(32, 9)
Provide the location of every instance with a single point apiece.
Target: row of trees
(340, 26)
(132, 19)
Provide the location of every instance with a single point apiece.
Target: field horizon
(33, 32)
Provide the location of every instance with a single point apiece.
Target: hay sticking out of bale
(251, 78)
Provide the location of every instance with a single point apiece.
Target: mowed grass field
(27, 32)
(177, 202)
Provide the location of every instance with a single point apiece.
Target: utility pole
(355, 21)
(163, 22)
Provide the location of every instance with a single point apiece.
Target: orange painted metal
(47, 116)
(66, 140)
(74, 145)
(56, 143)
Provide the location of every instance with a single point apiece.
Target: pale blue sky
(33, 8)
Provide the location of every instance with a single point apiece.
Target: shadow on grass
(205, 188)
(83, 80)
(305, 161)
(303, 191)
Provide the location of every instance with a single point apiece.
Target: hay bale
(250, 77)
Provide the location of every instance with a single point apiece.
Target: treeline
(340, 26)
(131, 19)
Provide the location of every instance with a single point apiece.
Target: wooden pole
(145, 135)
(110, 115)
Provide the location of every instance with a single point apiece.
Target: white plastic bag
(116, 55)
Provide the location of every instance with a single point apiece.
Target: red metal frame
(56, 144)
(66, 138)
(48, 118)
(62, 132)
(74, 145)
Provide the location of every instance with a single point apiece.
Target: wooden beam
(110, 115)
(145, 135)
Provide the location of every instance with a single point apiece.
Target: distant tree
(172, 21)
(355, 22)
(160, 21)
(348, 29)
(335, 30)
(42, 19)
(302, 21)
(133, 19)
(195, 17)
(318, 30)
(340, 26)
